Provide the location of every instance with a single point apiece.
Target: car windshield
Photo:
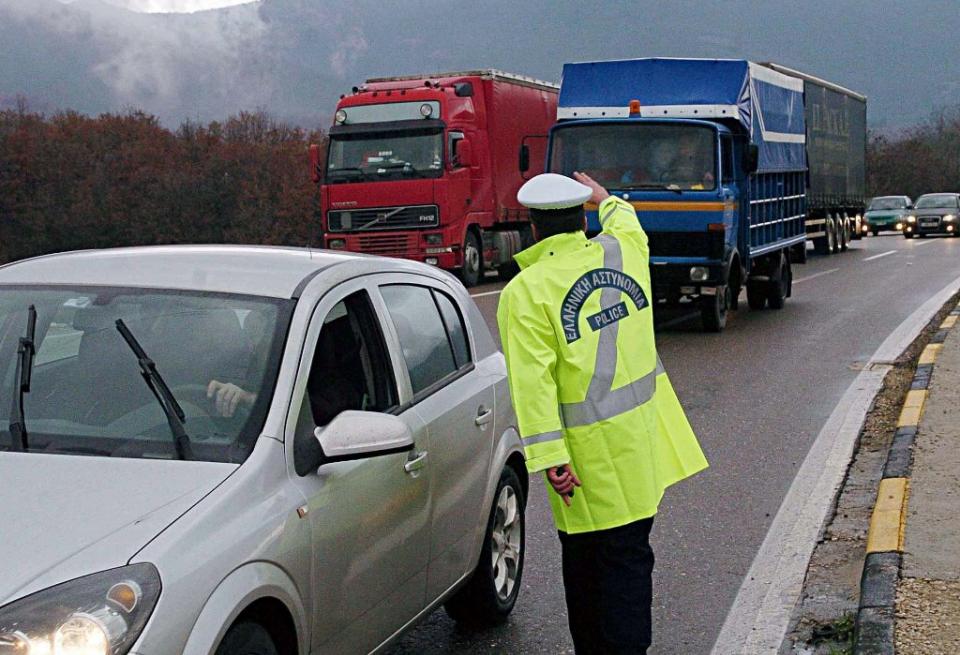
(937, 202)
(87, 396)
(365, 156)
(887, 203)
(638, 156)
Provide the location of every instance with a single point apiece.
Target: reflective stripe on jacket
(587, 385)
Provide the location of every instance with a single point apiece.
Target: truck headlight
(337, 244)
(426, 110)
(340, 117)
(911, 219)
(99, 614)
(699, 273)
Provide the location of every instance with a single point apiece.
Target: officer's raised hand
(599, 193)
(563, 480)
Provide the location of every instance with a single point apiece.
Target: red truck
(427, 167)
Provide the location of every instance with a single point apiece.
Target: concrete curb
(874, 626)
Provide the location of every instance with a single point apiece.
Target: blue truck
(732, 166)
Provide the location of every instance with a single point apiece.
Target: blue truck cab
(712, 154)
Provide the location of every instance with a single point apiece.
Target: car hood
(885, 213)
(66, 516)
(935, 211)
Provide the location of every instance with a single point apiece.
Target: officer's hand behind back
(563, 480)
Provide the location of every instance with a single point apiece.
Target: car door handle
(483, 416)
(416, 463)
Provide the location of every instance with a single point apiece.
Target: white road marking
(485, 293)
(758, 620)
(810, 277)
(883, 254)
(925, 242)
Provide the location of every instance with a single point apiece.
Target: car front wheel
(490, 594)
(247, 638)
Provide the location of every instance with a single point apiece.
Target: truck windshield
(367, 156)
(218, 353)
(638, 156)
(887, 203)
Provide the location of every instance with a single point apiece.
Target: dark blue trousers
(608, 580)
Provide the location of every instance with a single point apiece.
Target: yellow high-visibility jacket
(587, 385)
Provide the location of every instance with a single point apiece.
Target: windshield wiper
(648, 185)
(25, 352)
(172, 409)
(352, 170)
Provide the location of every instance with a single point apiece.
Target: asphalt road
(757, 395)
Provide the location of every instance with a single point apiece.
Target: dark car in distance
(934, 213)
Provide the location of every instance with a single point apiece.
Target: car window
(350, 370)
(457, 332)
(426, 346)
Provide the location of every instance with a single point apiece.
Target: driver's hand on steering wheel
(227, 397)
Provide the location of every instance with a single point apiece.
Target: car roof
(273, 271)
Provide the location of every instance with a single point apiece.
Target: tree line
(70, 181)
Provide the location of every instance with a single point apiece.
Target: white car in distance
(223, 449)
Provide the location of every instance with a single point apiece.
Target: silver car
(248, 450)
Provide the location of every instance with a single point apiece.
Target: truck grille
(686, 244)
(383, 218)
(388, 244)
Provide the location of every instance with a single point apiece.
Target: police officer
(595, 408)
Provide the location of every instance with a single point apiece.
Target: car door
(369, 518)
(455, 399)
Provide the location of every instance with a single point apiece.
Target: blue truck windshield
(639, 155)
(375, 156)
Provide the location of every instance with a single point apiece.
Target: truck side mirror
(464, 153)
(524, 158)
(316, 171)
(751, 158)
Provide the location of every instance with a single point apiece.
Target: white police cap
(552, 191)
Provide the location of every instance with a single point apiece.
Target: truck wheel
(844, 240)
(756, 296)
(490, 594)
(472, 268)
(779, 289)
(713, 310)
(876, 232)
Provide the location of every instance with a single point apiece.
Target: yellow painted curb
(889, 517)
(948, 322)
(912, 408)
(929, 354)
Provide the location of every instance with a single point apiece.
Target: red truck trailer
(427, 167)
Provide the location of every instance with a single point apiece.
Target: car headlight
(949, 218)
(911, 219)
(99, 614)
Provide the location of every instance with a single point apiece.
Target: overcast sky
(293, 58)
(174, 6)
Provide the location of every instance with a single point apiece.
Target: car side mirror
(524, 158)
(751, 158)
(316, 169)
(464, 153)
(358, 435)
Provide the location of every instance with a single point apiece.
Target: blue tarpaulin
(767, 105)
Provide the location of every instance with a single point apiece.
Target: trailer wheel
(844, 240)
(472, 268)
(756, 296)
(713, 310)
(779, 289)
